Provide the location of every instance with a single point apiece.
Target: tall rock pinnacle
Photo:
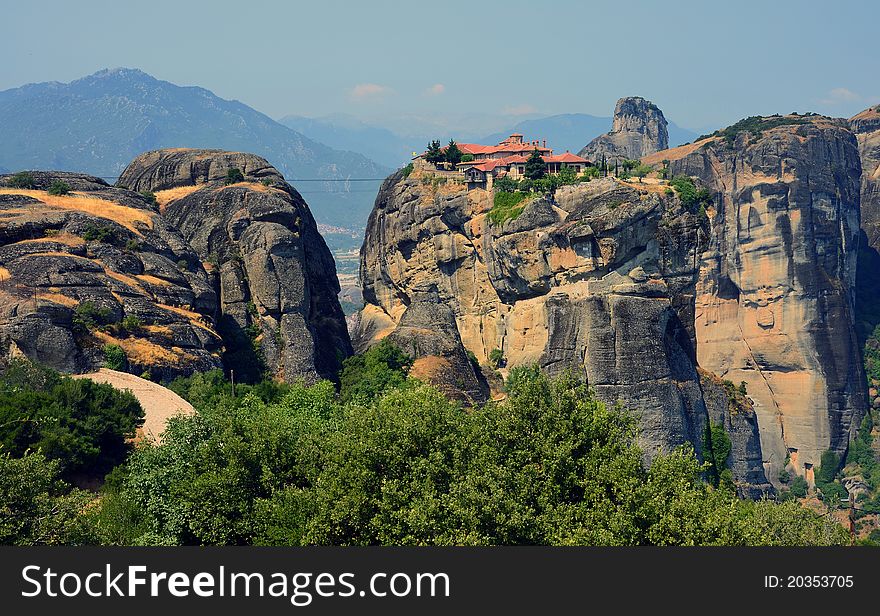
(639, 129)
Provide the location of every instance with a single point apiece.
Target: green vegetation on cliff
(755, 125)
(507, 206)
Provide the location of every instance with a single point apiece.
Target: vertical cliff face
(866, 127)
(599, 279)
(775, 294)
(275, 276)
(639, 129)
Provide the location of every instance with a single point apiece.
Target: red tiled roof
(476, 148)
(568, 157)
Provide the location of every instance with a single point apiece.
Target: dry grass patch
(159, 330)
(193, 317)
(255, 186)
(101, 208)
(160, 282)
(126, 280)
(164, 197)
(141, 351)
(54, 253)
(677, 153)
(58, 298)
(68, 239)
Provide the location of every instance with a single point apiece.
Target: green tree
(567, 175)
(36, 507)
(59, 188)
(535, 167)
(83, 425)
(22, 179)
(548, 465)
(641, 171)
(208, 482)
(114, 357)
(363, 377)
(234, 176)
(434, 154)
(453, 154)
(505, 184)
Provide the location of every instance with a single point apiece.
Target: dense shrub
(114, 357)
(234, 176)
(149, 196)
(59, 188)
(716, 451)
(22, 179)
(81, 424)
(550, 465)
(505, 184)
(506, 206)
(799, 487)
(36, 507)
(88, 316)
(99, 233)
(363, 377)
(208, 389)
(496, 358)
(691, 197)
(754, 125)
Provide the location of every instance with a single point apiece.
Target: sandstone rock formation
(866, 126)
(775, 295)
(275, 277)
(735, 412)
(180, 270)
(599, 279)
(73, 266)
(639, 129)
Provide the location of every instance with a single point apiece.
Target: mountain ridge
(99, 122)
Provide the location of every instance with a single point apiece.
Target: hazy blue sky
(705, 64)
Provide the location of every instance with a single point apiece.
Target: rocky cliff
(775, 292)
(275, 277)
(599, 279)
(99, 268)
(638, 129)
(178, 269)
(866, 127)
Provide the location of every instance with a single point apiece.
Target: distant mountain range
(343, 131)
(568, 131)
(98, 123)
